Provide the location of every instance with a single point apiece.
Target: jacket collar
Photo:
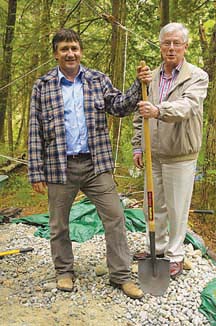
(52, 74)
(184, 73)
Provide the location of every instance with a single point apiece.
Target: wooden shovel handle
(148, 159)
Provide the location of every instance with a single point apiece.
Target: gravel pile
(30, 278)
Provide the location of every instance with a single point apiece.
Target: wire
(28, 73)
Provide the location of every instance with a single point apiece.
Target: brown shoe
(130, 289)
(65, 284)
(143, 255)
(176, 269)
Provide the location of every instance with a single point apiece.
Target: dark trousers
(101, 191)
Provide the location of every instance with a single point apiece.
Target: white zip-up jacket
(177, 134)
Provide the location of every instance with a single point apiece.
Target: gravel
(30, 280)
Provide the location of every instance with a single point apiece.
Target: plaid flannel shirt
(47, 141)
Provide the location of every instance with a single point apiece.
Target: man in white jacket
(175, 112)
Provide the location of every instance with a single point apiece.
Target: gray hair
(174, 27)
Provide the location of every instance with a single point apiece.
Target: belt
(79, 155)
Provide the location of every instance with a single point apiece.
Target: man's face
(68, 55)
(173, 48)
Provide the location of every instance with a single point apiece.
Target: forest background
(116, 36)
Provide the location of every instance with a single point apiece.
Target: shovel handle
(15, 251)
(148, 159)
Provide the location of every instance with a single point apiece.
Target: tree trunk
(45, 32)
(209, 184)
(211, 125)
(7, 59)
(204, 46)
(174, 10)
(10, 123)
(164, 12)
(117, 59)
(28, 81)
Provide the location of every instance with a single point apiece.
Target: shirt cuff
(158, 117)
(137, 151)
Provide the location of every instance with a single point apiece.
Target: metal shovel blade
(154, 276)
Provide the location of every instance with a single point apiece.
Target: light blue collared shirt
(74, 117)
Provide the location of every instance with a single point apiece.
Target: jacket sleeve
(137, 134)
(190, 101)
(35, 139)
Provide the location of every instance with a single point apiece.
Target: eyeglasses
(176, 44)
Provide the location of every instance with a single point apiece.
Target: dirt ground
(15, 273)
(207, 232)
(62, 313)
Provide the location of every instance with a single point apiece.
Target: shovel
(153, 272)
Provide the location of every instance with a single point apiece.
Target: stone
(188, 265)
(101, 270)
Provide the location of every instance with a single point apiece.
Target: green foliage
(17, 192)
(210, 178)
(125, 153)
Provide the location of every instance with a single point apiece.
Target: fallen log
(12, 163)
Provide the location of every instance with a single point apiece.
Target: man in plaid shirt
(70, 150)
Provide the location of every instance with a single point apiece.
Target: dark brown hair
(67, 35)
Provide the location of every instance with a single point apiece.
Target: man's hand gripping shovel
(153, 272)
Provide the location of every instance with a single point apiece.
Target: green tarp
(85, 223)
(208, 305)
